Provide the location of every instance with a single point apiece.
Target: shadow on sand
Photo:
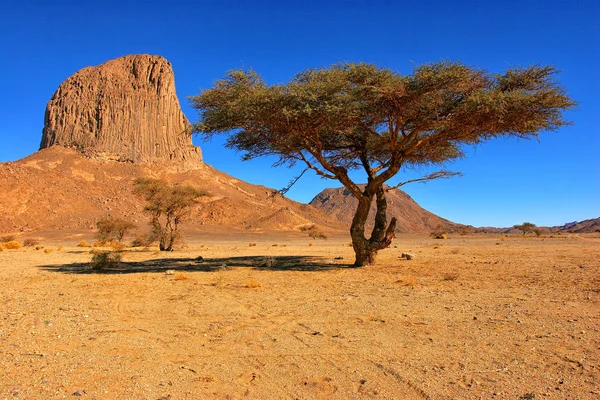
(263, 263)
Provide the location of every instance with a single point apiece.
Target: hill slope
(59, 188)
(340, 204)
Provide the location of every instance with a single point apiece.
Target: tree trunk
(382, 235)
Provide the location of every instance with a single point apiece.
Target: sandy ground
(470, 317)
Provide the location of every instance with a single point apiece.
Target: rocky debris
(125, 109)
(406, 256)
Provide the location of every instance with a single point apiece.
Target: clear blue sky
(505, 182)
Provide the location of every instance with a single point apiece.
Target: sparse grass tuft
(83, 243)
(12, 245)
(408, 281)
(7, 238)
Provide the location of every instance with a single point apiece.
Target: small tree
(362, 117)
(526, 227)
(168, 206)
(111, 228)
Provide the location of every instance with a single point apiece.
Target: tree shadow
(263, 263)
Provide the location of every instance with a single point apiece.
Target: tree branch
(430, 177)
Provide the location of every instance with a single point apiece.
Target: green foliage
(168, 206)
(526, 227)
(362, 117)
(105, 260)
(110, 228)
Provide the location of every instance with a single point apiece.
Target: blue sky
(551, 182)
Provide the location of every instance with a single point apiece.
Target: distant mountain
(587, 226)
(341, 204)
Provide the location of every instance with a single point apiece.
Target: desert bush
(438, 235)
(30, 242)
(313, 231)
(104, 260)
(83, 243)
(7, 238)
(113, 229)
(12, 245)
(48, 251)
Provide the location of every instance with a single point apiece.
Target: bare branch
(430, 177)
(293, 182)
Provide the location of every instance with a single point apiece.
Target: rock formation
(125, 109)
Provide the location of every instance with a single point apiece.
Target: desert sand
(470, 317)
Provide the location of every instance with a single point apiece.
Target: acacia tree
(362, 117)
(526, 227)
(168, 206)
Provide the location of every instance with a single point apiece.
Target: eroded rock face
(125, 109)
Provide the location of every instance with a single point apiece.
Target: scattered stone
(407, 256)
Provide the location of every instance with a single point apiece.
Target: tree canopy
(363, 117)
(168, 206)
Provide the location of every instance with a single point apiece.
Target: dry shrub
(83, 243)
(143, 240)
(104, 260)
(274, 245)
(451, 276)
(252, 284)
(39, 247)
(99, 243)
(30, 242)
(7, 238)
(12, 245)
(48, 251)
(251, 244)
(439, 235)
(313, 231)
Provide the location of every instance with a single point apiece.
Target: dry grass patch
(83, 243)
(252, 284)
(181, 277)
(12, 245)
(407, 281)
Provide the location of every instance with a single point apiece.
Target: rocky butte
(125, 109)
